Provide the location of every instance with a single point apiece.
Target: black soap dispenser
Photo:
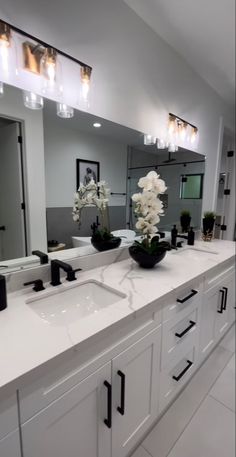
(191, 236)
(3, 293)
(174, 233)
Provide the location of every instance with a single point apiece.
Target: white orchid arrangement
(92, 194)
(149, 208)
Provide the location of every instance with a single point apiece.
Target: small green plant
(101, 235)
(152, 247)
(185, 212)
(209, 215)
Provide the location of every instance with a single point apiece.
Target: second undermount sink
(196, 253)
(67, 304)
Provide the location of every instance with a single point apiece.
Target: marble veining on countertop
(27, 341)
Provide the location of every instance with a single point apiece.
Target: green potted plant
(148, 208)
(95, 194)
(185, 219)
(208, 222)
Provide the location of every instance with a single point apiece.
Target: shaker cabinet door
(135, 374)
(73, 425)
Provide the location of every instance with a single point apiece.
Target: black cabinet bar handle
(222, 302)
(182, 300)
(180, 335)
(177, 378)
(108, 420)
(226, 295)
(121, 408)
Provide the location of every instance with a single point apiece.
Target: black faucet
(55, 272)
(3, 293)
(43, 257)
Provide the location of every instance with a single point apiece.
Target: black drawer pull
(121, 408)
(108, 421)
(177, 378)
(182, 300)
(222, 302)
(226, 295)
(180, 335)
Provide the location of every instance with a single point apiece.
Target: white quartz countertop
(27, 341)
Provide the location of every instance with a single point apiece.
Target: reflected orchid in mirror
(92, 194)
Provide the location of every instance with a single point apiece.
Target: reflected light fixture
(1, 89)
(32, 100)
(64, 111)
(5, 42)
(180, 129)
(161, 144)
(149, 140)
(97, 125)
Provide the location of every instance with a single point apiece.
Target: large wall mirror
(38, 177)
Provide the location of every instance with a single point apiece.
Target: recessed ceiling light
(97, 125)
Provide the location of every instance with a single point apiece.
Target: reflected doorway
(13, 240)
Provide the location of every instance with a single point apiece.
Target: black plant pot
(185, 223)
(105, 245)
(208, 226)
(144, 259)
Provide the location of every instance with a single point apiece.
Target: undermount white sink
(67, 304)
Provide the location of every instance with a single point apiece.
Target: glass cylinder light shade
(193, 136)
(50, 71)
(149, 140)
(64, 111)
(161, 144)
(85, 78)
(32, 101)
(1, 89)
(8, 61)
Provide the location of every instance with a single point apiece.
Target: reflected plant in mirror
(96, 194)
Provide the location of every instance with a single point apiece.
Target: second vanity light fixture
(39, 58)
(181, 130)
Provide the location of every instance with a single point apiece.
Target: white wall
(63, 145)
(11, 105)
(138, 78)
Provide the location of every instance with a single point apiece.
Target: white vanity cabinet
(103, 415)
(10, 445)
(9, 430)
(217, 309)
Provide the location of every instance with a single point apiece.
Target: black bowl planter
(185, 223)
(208, 227)
(144, 259)
(105, 245)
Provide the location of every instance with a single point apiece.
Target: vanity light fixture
(149, 140)
(180, 129)
(64, 111)
(1, 89)
(40, 58)
(32, 100)
(97, 125)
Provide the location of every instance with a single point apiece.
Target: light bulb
(5, 41)
(64, 111)
(172, 125)
(85, 75)
(149, 140)
(97, 125)
(194, 134)
(32, 100)
(1, 89)
(50, 71)
(183, 130)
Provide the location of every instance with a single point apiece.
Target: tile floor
(201, 422)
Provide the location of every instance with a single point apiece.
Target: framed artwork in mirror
(85, 171)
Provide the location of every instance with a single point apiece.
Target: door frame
(23, 189)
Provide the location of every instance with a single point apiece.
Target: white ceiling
(202, 31)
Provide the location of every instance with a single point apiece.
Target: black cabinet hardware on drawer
(121, 408)
(222, 302)
(108, 420)
(177, 378)
(225, 289)
(180, 335)
(182, 300)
